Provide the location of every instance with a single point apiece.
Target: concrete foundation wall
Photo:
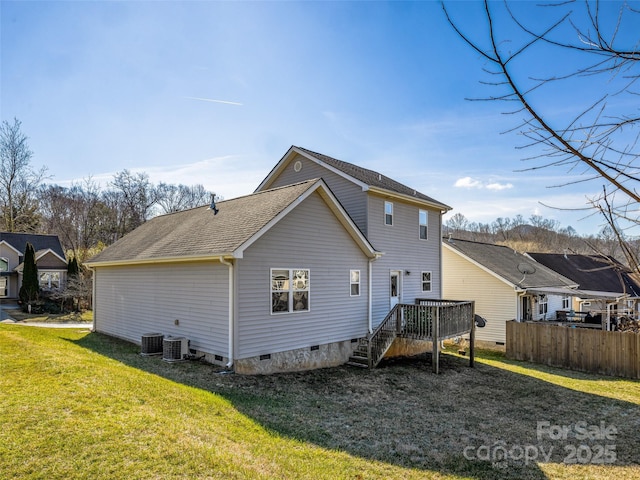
(328, 355)
(406, 347)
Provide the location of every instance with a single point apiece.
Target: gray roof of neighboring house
(514, 267)
(592, 272)
(40, 242)
(199, 232)
(366, 176)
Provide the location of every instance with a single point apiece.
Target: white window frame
(47, 285)
(353, 283)
(290, 290)
(425, 224)
(566, 302)
(543, 304)
(388, 215)
(423, 282)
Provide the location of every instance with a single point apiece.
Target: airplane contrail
(214, 101)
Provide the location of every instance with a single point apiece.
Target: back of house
(399, 221)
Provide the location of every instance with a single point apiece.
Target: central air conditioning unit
(174, 349)
(151, 344)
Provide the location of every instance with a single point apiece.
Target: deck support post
(472, 338)
(435, 350)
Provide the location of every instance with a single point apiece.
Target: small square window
(388, 213)
(355, 283)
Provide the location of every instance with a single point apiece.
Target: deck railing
(427, 319)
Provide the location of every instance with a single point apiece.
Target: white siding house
(291, 277)
(262, 285)
(398, 220)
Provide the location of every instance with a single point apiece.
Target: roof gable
(591, 272)
(368, 180)
(18, 241)
(513, 267)
(200, 234)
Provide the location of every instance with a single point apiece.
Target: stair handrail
(383, 327)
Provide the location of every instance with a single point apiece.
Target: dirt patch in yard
(481, 422)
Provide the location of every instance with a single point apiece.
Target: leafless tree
(132, 198)
(18, 180)
(599, 46)
(174, 198)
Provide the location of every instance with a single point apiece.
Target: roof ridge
(313, 180)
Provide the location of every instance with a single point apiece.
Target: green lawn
(75, 404)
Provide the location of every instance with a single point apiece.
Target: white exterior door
(395, 288)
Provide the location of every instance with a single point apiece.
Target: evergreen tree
(30, 289)
(72, 268)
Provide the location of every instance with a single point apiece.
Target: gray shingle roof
(39, 242)
(592, 273)
(198, 232)
(370, 177)
(510, 265)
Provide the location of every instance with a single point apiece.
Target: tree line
(539, 234)
(85, 216)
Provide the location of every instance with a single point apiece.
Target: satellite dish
(526, 268)
(480, 322)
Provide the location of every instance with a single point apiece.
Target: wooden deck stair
(360, 356)
(432, 320)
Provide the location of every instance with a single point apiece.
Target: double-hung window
(566, 301)
(423, 217)
(289, 290)
(354, 281)
(426, 281)
(388, 213)
(542, 304)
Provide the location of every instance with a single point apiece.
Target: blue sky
(216, 92)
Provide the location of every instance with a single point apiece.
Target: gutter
(232, 298)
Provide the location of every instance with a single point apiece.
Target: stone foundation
(327, 355)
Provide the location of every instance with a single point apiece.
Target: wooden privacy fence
(587, 350)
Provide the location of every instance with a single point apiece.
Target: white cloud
(467, 182)
(499, 186)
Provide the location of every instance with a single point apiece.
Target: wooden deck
(431, 320)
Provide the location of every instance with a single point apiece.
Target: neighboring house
(606, 287)
(290, 277)
(505, 285)
(50, 259)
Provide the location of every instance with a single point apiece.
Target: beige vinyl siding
(310, 237)
(350, 195)
(494, 299)
(403, 250)
(134, 300)
(49, 260)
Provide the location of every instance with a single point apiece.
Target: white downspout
(93, 297)
(232, 298)
(370, 281)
